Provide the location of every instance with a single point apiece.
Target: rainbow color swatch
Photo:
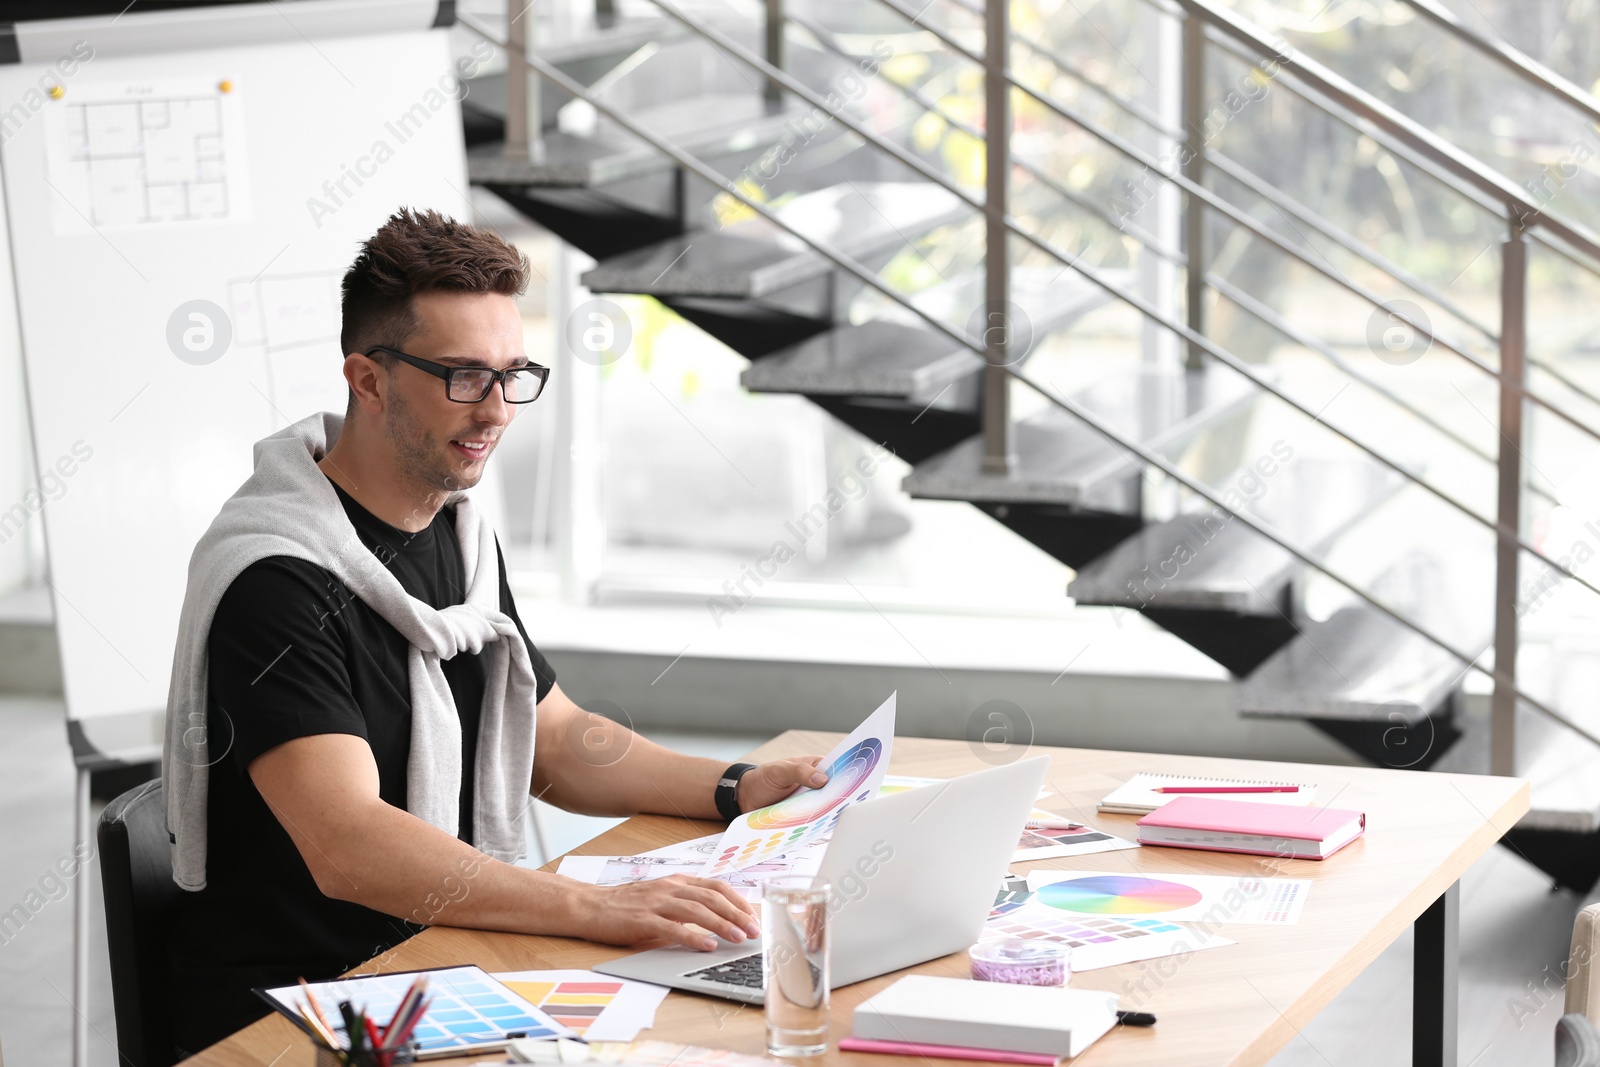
(847, 776)
(804, 817)
(1173, 896)
(1118, 894)
(855, 769)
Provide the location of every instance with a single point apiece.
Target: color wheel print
(847, 775)
(1118, 894)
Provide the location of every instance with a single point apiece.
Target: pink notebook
(1247, 826)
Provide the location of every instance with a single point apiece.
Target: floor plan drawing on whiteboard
(140, 154)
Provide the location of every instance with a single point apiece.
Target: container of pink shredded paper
(1020, 961)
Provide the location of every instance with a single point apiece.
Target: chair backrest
(136, 870)
(1583, 991)
(1577, 1043)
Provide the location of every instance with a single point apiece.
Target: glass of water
(794, 924)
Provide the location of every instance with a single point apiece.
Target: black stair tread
(753, 257)
(1357, 665)
(875, 358)
(899, 356)
(1060, 459)
(1361, 665)
(705, 126)
(1562, 769)
(1205, 560)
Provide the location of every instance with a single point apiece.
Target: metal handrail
(1204, 344)
(1349, 242)
(1138, 233)
(1275, 196)
(1196, 340)
(1128, 107)
(1254, 307)
(1514, 60)
(1519, 207)
(1377, 133)
(1241, 218)
(871, 280)
(776, 75)
(1283, 326)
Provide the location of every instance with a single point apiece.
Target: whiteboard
(161, 186)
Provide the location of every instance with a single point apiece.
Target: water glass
(794, 923)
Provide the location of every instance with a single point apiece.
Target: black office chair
(136, 870)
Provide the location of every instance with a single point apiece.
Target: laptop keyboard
(744, 972)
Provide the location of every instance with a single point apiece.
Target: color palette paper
(1203, 898)
(1093, 941)
(690, 857)
(596, 1007)
(467, 1008)
(1054, 843)
(635, 1054)
(855, 769)
(1119, 894)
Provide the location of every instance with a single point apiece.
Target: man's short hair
(416, 252)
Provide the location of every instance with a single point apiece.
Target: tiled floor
(1512, 928)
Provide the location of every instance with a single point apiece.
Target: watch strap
(727, 793)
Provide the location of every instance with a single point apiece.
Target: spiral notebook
(1138, 796)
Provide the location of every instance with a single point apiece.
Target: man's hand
(639, 911)
(771, 782)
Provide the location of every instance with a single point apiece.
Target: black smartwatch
(727, 794)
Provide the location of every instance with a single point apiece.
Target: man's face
(439, 443)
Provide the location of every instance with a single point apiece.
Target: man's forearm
(586, 763)
(323, 789)
(393, 862)
(628, 775)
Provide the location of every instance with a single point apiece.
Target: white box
(993, 1015)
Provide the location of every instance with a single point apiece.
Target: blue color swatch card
(468, 1010)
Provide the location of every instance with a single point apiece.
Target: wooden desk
(1236, 1004)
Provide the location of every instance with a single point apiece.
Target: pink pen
(1228, 789)
(948, 1052)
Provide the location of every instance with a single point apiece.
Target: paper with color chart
(596, 1007)
(855, 769)
(634, 1054)
(690, 857)
(1202, 898)
(1093, 941)
(1056, 842)
(467, 1008)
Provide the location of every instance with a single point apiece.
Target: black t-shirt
(293, 653)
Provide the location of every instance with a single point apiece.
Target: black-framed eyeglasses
(468, 385)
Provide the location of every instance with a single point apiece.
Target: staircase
(1313, 574)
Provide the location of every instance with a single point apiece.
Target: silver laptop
(914, 876)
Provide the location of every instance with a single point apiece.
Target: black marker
(1136, 1018)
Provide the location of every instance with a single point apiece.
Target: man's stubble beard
(417, 459)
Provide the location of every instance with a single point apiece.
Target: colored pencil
(321, 1018)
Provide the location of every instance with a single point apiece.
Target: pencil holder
(405, 1054)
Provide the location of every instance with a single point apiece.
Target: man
(374, 715)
